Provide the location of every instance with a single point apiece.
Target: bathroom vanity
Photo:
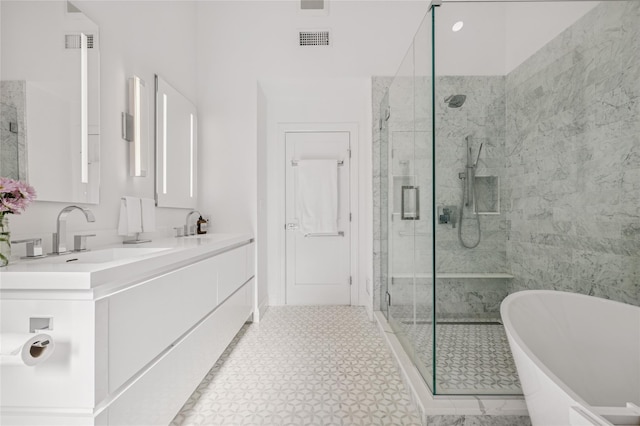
(136, 329)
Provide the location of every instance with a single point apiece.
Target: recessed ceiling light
(457, 26)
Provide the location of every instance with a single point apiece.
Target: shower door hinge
(350, 217)
(350, 281)
(349, 153)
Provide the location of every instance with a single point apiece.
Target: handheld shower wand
(469, 192)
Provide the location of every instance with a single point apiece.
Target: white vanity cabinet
(131, 356)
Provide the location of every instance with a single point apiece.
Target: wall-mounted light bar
(84, 110)
(164, 143)
(136, 161)
(191, 171)
(134, 127)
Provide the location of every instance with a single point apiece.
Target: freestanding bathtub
(578, 357)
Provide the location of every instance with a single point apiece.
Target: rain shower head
(455, 101)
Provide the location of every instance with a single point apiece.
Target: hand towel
(130, 218)
(317, 196)
(148, 207)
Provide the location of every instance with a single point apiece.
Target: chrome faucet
(60, 236)
(190, 230)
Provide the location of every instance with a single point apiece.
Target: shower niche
(487, 195)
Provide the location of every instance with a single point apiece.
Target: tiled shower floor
(303, 365)
(472, 357)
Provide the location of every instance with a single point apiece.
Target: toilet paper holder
(37, 324)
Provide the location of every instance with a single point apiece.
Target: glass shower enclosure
(406, 169)
(508, 160)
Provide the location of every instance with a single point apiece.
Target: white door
(318, 265)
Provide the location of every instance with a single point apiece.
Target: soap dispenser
(201, 226)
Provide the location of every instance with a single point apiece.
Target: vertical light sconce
(84, 110)
(135, 127)
(191, 155)
(164, 143)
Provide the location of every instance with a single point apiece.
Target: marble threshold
(434, 405)
(454, 275)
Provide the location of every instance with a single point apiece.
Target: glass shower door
(423, 325)
(409, 296)
(403, 202)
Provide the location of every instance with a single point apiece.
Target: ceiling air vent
(312, 4)
(314, 38)
(314, 7)
(72, 41)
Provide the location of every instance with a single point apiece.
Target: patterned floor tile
(471, 358)
(303, 365)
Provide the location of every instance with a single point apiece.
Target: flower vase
(5, 240)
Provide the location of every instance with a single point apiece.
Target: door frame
(354, 183)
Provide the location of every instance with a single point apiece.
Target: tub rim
(515, 337)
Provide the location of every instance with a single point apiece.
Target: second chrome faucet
(190, 229)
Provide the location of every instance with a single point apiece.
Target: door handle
(410, 203)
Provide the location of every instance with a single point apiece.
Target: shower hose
(474, 245)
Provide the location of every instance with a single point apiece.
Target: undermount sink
(111, 254)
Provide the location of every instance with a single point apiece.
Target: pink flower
(26, 191)
(7, 185)
(15, 196)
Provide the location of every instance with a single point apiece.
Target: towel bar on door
(324, 234)
(294, 163)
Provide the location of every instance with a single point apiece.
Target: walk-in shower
(518, 139)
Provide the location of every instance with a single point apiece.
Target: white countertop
(62, 273)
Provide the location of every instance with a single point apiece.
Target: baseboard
(262, 309)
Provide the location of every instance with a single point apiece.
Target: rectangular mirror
(51, 81)
(176, 148)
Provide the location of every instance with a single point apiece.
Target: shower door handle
(410, 203)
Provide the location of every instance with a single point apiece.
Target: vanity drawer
(232, 271)
(251, 261)
(158, 394)
(148, 318)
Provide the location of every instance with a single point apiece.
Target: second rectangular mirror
(176, 148)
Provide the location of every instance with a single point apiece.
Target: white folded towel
(148, 206)
(130, 217)
(317, 196)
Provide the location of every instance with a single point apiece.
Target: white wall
(262, 296)
(240, 43)
(317, 105)
(136, 37)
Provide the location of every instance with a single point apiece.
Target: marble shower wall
(573, 159)
(403, 155)
(481, 118)
(12, 130)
